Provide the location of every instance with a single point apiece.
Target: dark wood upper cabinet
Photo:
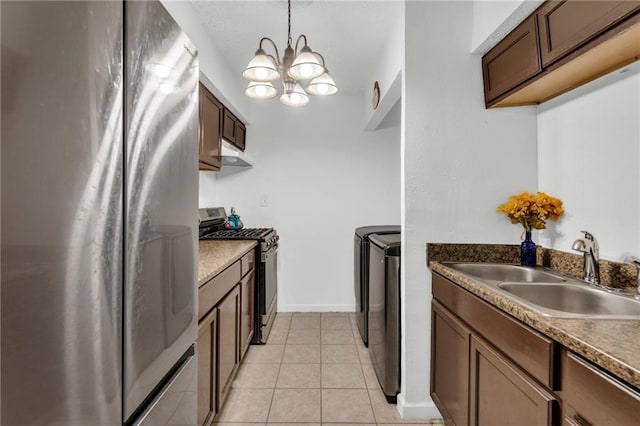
(233, 130)
(561, 46)
(210, 127)
(512, 61)
(567, 24)
(240, 135)
(229, 127)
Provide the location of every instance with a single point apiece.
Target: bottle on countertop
(233, 221)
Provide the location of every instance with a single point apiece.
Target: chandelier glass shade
(296, 68)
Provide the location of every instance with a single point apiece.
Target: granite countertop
(614, 345)
(216, 255)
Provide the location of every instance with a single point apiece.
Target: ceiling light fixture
(294, 68)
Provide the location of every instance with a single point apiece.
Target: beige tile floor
(313, 370)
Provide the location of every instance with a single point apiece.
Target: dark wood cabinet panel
(501, 394)
(207, 337)
(528, 348)
(246, 312)
(512, 61)
(240, 135)
(229, 127)
(450, 365)
(567, 24)
(210, 127)
(228, 343)
(593, 397)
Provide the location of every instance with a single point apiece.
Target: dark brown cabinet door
(567, 24)
(240, 135)
(512, 61)
(210, 128)
(228, 343)
(450, 365)
(207, 337)
(229, 127)
(591, 396)
(246, 313)
(501, 394)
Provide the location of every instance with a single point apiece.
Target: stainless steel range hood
(232, 157)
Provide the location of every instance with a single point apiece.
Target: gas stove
(211, 227)
(238, 234)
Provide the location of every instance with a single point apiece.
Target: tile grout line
(273, 395)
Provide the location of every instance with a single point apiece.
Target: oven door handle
(265, 255)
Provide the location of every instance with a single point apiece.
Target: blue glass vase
(528, 251)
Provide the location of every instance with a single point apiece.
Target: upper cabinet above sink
(562, 45)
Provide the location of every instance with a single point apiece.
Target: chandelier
(308, 66)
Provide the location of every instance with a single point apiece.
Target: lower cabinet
(488, 368)
(247, 300)
(225, 330)
(592, 397)
(207, 339)
(502, 394)
(228, 350)
(450, 365)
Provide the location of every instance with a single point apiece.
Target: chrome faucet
(591, 251)
(636, 262)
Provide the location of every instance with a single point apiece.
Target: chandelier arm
(298, 40)
(277, 58)
(321, 58)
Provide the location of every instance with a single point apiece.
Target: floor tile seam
(375, 418)
(273, 392)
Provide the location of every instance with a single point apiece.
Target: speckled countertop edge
(614, 345)
(216, 255)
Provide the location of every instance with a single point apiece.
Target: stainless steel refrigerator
(99, 184)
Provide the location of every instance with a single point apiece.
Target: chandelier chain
(289, 21)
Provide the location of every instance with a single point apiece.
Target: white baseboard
(417, 410)
(316, 308)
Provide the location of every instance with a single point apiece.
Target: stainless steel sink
(550, 293)
(569, 299)
(506, 272)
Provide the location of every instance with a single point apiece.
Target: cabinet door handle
(581, 420)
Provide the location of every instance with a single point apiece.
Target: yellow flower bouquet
(532, 210)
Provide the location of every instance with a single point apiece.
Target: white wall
(388, 72)
(460, 162)
(215, 72)
(207, 189)
(589, 156)
(321, 176)
(494, 19)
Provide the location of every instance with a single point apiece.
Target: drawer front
(214, 290)
(512, 61)
(594, 397)
(531, 350)
(567, 24)
(248, 262)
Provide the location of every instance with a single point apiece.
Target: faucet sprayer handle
(588, 235)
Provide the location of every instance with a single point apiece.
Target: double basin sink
(550, 293)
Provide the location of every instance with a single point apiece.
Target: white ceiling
(349, 34)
